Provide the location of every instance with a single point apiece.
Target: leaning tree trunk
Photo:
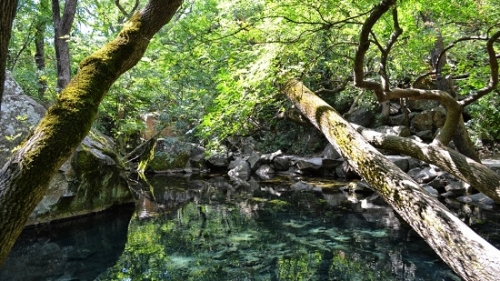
(470, 171)
(469, 255)
(24, 179)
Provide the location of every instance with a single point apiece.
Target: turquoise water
(213, 229)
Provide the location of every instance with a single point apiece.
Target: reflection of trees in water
(79, 249)
(218, 231)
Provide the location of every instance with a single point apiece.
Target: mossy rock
(167, 154)
(90, 181)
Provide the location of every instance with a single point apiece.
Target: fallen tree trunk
(476, 174)
(468, 254)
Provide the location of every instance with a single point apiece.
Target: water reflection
(79, 249)
(212, 230)
(215, 229)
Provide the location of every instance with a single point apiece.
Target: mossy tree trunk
(469, 255)
(474, 173)
(24, 179)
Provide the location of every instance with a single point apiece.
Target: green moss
(279, 205)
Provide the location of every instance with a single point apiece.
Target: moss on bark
(24, 179)
(464, 251)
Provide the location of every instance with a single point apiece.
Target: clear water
(212, 229)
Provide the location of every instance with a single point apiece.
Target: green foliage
(214, 72)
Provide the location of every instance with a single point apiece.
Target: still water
(215, 229)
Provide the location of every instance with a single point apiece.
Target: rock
(421, 105)
(345, 171)
(331, 152)
(268, 158)
(429, 120)
(479, 200)
(362, 116)
(331, 164)
(423, 121)
(168, 154)
(90, 181)
(281, 163)
(424, 175)
(219, 161)
(400, 161)
(413, 163)
(400, 131)
(425, 135)
(19, 114)
(248, 145)
(265, 172)
(239, 168)
(431, 190)
(254, 161)
(301, 186)
(457, 188)
(309, 165)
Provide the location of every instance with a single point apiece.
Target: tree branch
(364, 45)
(493, 83)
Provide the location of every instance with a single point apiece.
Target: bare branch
(385, 52)
(124, 12)
(364, 44)
(493, 74)
(454, 109)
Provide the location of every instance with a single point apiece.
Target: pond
(214, 229)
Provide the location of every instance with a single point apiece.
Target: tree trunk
(40, 60)
(469, 255)
(24, 179)
(474, 173)
(62, 28)
(8, 8)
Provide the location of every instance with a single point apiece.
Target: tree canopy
(217, 70)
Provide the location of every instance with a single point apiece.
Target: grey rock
(281, 163)
(400, 161)
(90, 181)
(479, 200)
(265, 172)
(301, 186)
(239, 168)
(331, 152)
(362, 116)
(424, 175)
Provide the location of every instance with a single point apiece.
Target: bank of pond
(211, 228)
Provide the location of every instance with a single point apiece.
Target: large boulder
(19, 114)
(171, 155)
(88, 182)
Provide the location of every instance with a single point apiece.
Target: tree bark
(24, 179)
(62, 28)
(469, 255)
(40, 60)
(474, 173)
(8, 8)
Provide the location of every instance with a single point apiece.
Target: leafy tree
(27, 174)
(448, 236)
